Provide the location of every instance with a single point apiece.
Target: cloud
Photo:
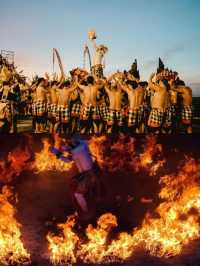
(165, 56)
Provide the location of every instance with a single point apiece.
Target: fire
(46, 161)
(149, 160)
(14, 164)
(12, 250)
(163, 233)
(96, 145)
(123, 154)
(63, 247)
(95, 249)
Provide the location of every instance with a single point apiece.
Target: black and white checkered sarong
(75, 110)
(186, 114)
(62, 114)
(89, 111)
(156, 117)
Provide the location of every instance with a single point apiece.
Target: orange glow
(46, 161)
(176, 223)
(12, 250)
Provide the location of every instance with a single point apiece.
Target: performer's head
(90, 80)
(66, 84)
(40, 81)
(132, 84)
(143, 84)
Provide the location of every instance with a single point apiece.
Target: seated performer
(85, 186)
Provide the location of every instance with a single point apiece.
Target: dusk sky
(144, 29)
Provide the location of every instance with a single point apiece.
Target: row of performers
(118, 103)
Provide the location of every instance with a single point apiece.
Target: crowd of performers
(90, 103)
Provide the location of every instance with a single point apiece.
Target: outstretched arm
(73, 87)
(60, 155)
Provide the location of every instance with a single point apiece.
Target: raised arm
(123, 86)
(73, 87)
(152, 85)
(107, 87)
(81, 87)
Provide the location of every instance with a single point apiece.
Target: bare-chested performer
(171, 120)
(186, 112)
(115, 95)
(103, 103)
(40, 104)
(130, 88)
(90, 109)
(100, 51)
(63, 108)
(52, 106)
(158, 105)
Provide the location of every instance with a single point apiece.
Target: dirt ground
(44, 200)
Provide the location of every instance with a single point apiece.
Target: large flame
(47, 161)
(63, 247)
(12, 250)
(163, 233)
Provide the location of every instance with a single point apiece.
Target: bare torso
(98, 58)
(158, 100)
(53, 95)
(186, 93)
(136, 98)
(115, 98)
(173, 97)
(89, 95)
(64, 96)
(41, 93)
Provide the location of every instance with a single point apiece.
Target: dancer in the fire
(85, 186)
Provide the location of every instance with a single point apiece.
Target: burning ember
(12, 250)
